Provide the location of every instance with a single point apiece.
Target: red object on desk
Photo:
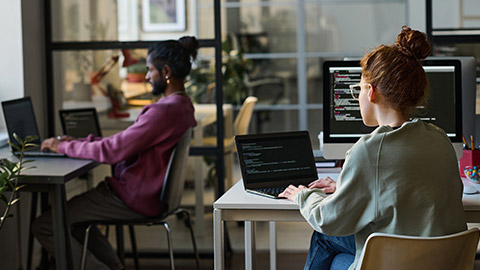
(469, 158)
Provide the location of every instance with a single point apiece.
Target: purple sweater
(140, 152)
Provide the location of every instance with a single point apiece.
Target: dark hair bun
(413, 43)
(190, 44)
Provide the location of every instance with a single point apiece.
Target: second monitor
(343, 124)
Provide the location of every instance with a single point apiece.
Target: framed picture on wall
(163, 15)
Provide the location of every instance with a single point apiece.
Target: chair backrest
(395, 252)
(242, 121)
(175, 177)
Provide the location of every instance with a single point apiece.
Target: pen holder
(469, 158)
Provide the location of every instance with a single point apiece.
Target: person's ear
(167, 71)
(371, 93)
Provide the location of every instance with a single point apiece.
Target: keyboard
(40, 154)
(271, 192)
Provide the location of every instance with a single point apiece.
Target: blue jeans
(330, 252)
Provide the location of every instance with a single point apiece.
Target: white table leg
(249, 245)
(218, 240)
(273, 245)
(199, 208)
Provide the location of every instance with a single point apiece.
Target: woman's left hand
(291, 191)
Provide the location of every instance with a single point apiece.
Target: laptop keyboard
(272, 191)
(41, 154)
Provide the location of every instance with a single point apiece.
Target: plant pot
(82, 92)
(135, 77)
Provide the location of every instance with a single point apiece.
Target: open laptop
(20, 119)
(270, 162)
(80, 123)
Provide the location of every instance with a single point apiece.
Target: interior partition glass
(266, 120)
(335, 30)
(349, 28)
(455, 14)
(114, 83)
(123, 20)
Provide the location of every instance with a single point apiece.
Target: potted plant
(10, 173)
(136, 72)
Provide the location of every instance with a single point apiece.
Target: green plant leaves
(10, 173)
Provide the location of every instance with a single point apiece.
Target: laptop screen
(20, 119)
(276, 157)
(80, 123)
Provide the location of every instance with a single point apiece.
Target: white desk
(238, 205)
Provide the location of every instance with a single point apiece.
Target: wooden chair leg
(133, 242)
(229, 170)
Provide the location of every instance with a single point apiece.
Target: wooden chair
(398, 252)
(240, 127)
(171, 196)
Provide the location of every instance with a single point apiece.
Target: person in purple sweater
(140, 153)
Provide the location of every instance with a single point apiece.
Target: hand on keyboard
(291, 191)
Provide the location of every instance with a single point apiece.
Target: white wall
(11, 86)
(11, 52)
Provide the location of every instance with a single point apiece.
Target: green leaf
(20, 187)
(14, 201)
(31, 138)
(17, 138)
(16, 147)
(8, 163)
(28, 145)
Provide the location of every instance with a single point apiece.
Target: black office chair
(170, 196)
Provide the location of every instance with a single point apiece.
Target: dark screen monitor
(343, 124)
(80, 123)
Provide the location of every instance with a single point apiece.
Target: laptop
(79, 123)
(270, 162)
(20, 119)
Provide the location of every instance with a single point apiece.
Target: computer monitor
(80, 123)
(343, 125)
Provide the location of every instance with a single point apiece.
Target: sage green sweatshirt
(403, 181)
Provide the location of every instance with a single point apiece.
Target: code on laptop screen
(276, 158)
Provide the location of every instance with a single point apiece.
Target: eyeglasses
(355, 89)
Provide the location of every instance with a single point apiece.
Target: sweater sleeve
(154, 124)
(353, 205)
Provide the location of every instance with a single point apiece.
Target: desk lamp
(97, 76)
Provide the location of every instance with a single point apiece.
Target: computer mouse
(469, 190)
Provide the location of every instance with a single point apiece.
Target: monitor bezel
(64, 112)
(429, 62)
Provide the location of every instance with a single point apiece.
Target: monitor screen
(343, 123)
(80, 123)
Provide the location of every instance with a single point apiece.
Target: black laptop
(80, 123)
(20, 119)
(270, 162)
